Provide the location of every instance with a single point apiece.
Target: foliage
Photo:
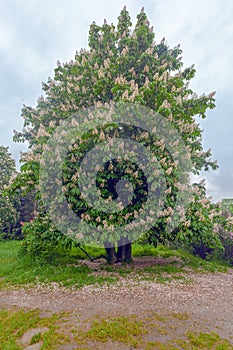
(8, 214)
(198, 228)
(27, 207)
(227, 243)
(227, 206)
(224, 229)
(208, 228)
(42, 240)
(121, 65)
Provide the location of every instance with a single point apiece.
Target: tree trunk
(124, 252)
(111, 255)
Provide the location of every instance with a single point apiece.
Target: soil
(207, 299)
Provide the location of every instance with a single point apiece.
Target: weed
(127, 330)
(123, 329)
(201, 341)
(13, 324)
(36, 338)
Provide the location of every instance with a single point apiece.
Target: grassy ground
(19, 270)
(14, 323)
(160, 332)
(98, 333)
(68, 271)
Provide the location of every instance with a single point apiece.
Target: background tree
(224, 228)
(27, 207)
(227, 206)
(8, 213)
(121, 64)
(198, 229)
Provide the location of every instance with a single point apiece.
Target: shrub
(42, 241)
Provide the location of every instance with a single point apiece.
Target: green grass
(128, 330)
(66, 269)
(187, 258)
(169, 269)
(208, 341)
(15, 270)
(201, 341)
(13, 324)
(131, 330)
(144, 250)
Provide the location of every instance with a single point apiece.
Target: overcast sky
(34, 34)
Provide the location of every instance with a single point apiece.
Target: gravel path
(208, 300)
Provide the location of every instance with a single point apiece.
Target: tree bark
(124, 252)
(111, 255)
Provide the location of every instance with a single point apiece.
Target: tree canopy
(123, 66)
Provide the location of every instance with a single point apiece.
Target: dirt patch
(138, 262)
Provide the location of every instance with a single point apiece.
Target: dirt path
(208, 300)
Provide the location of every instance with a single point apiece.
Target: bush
(42, 241)
(227, 242)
